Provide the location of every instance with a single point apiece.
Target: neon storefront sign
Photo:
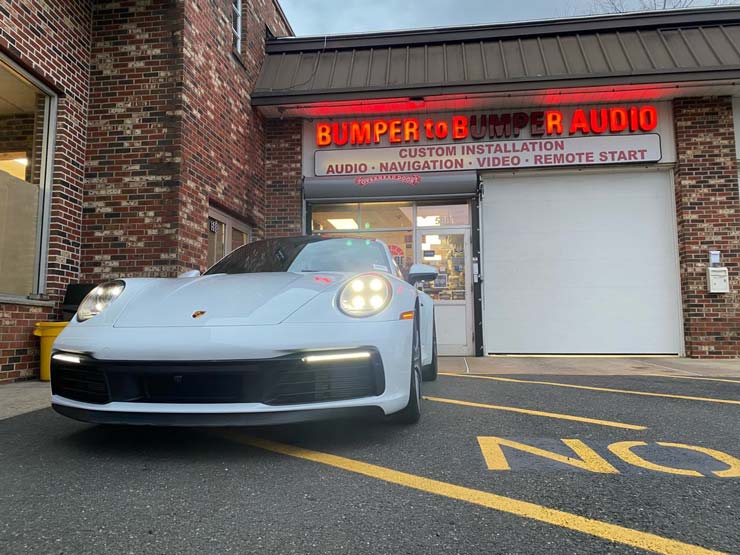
(488, 126)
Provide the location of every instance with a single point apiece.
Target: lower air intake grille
(328, 382)
(81, 383)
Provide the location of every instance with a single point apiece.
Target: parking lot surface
(517, 463)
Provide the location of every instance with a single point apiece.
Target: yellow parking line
(591, 388)
(597, 528)
(539, 413)
(726, 380)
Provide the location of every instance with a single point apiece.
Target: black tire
(411, 413)
(429, 372)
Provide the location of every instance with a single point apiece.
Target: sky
(321, 17)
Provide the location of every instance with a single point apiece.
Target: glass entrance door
(448, 250)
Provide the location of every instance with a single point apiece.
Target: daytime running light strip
(67, 358)
(339, 356)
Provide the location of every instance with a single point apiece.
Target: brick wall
(283, 172)
(223, 137)
(51, 40)
(134, 140)
(707, 206)
(171, 130)
(19, 353)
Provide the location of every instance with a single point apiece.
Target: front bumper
(288, 380)
(167, 377)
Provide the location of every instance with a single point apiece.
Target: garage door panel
(568, 308)
(607, 214)
(565, 272)
(581, 263)
(559, 328)
(608, 217)
(538, 246)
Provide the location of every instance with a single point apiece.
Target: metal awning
(642, 48)
(391, 187)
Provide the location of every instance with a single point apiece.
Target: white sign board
(502, 154)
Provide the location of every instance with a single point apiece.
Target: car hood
(224, 300)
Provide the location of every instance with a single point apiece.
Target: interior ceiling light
(343, 223)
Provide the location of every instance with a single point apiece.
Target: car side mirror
(421, 272)
(189, 274)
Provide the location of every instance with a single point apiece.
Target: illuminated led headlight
(99, 299)
(365, 295)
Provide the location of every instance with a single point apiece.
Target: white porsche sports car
(278, 331)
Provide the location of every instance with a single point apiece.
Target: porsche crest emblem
(198, 313)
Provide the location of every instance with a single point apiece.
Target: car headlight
(99, 299)
(365, 295)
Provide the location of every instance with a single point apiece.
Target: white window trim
(230, 223)
(236, 24)
(45, 182)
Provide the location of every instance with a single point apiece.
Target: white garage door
(580, 263)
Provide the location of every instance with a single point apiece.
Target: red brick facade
(52, 40)
(223, 137)
(134, 146)
(284, 206)
(708, 209)
(170, 128)
(172, 131)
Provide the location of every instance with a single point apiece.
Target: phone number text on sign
(574, 151)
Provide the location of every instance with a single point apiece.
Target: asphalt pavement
(511, 464)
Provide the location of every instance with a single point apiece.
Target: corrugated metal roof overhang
(662, 47)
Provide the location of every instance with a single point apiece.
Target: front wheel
(411, 413)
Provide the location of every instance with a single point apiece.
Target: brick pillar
(707, 208)
(223, 136)
(171, 132)
(134, 148)
(283, 173)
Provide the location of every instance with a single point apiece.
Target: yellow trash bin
(48, 332)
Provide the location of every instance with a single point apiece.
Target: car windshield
(304, 254)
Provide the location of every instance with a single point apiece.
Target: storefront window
(24, 113)
(335, 217)
(386, 215)
(442, 214)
